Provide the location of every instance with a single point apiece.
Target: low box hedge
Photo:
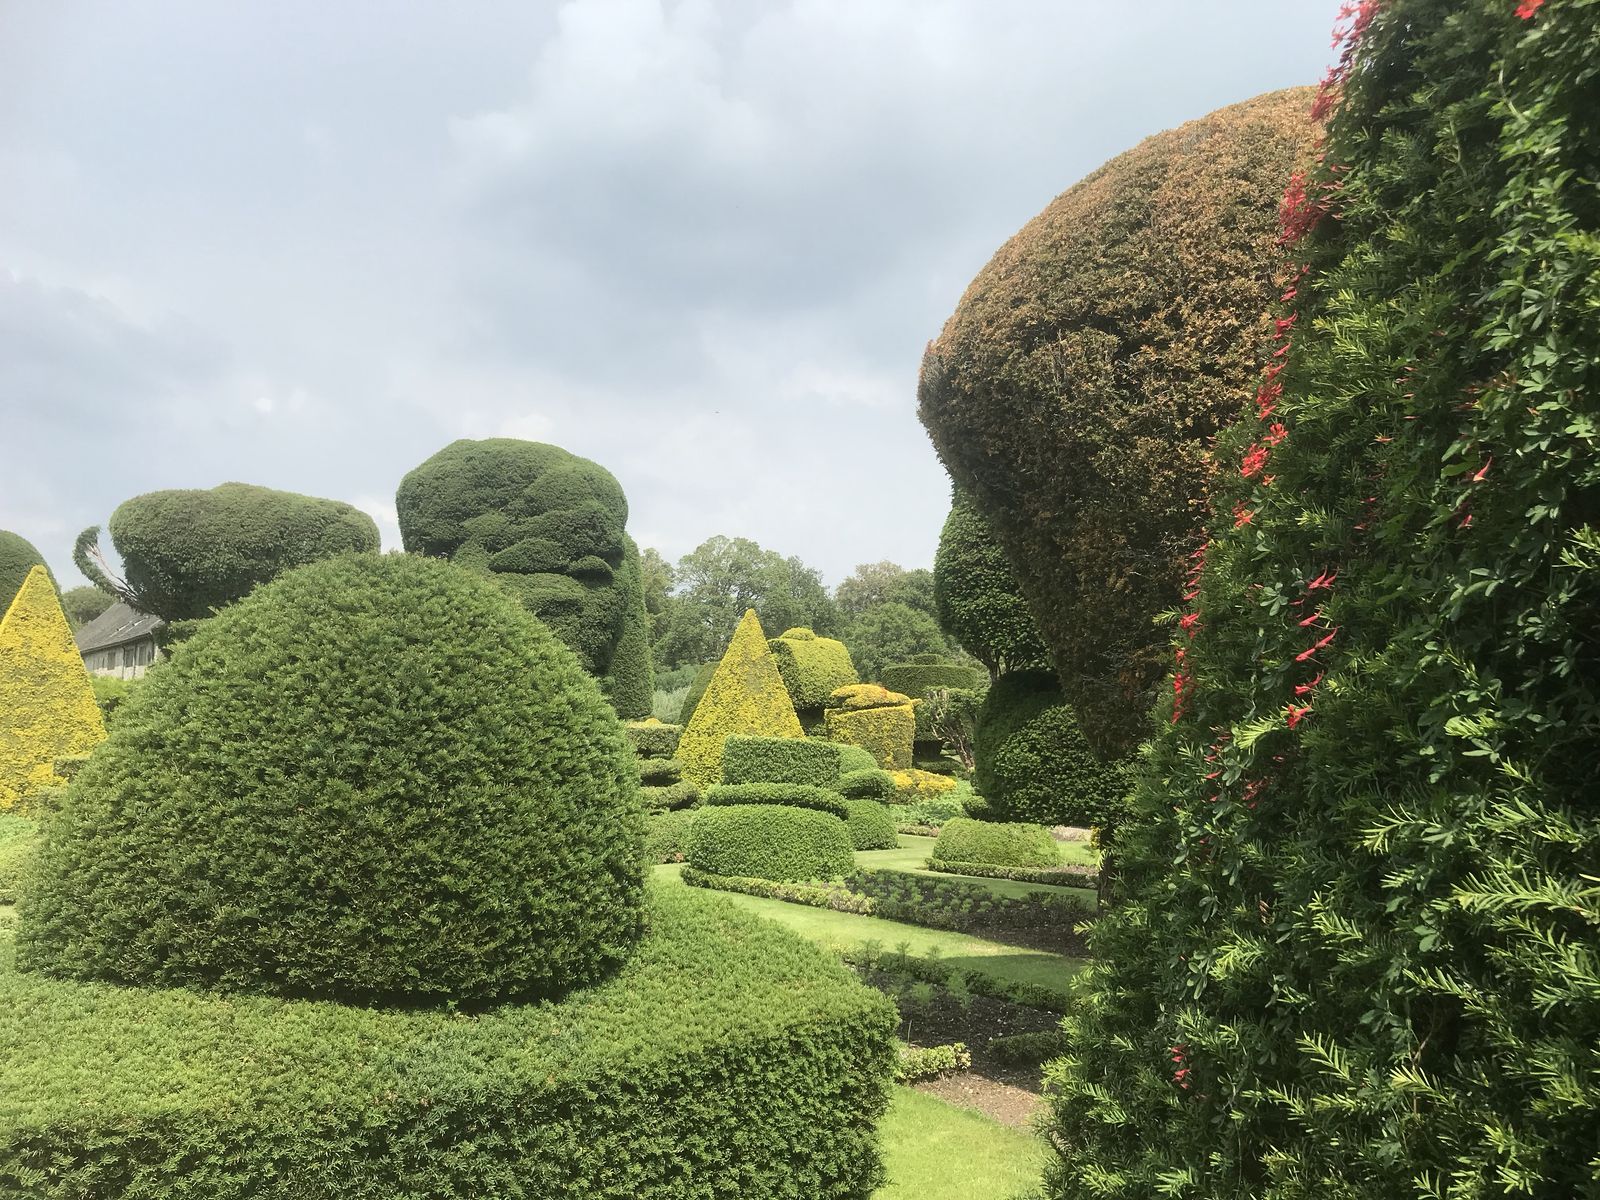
(871, 824)
(729, 1058)
(653, 739)
(780, 760)
(997, 843)
(770, 841)
(794, 795)
(1072, 875)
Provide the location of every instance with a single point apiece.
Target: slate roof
(117, 626)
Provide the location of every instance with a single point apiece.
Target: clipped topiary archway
(376, 779)
(1074, 391)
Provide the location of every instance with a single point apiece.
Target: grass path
(936, 1151)
(913, 852)
(848, 931)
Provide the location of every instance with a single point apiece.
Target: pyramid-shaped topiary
(746, 695)
(47, 708)
(376, 779)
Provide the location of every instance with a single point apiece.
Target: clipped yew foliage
(1074, 390)
(980, 605)
(550, 527)
(881, 722)
(17, 558)
(47, 708)
(188, 551)
(375, 779)
(1357, 952)
(770, 841)
(745, 696)
(811, 666)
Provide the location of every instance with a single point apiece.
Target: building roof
(117, 626)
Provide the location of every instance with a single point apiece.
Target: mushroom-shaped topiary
(1075, 391)
(376, 779)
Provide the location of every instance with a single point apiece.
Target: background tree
(891, 633)
(1075, 389)
(83, 604)
(876, 583)
(721, 578)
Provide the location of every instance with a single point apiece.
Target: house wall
(128, 661)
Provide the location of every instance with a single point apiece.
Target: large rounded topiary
(1031, 762)
(550, 527)
(980, 606)
(17, 558)
(188, 551)
(374, 779)
(1074, 391)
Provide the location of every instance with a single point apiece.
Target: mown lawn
(843, 932)
(936, 1151)
(912, 855)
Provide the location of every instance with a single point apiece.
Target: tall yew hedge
(1358, 953)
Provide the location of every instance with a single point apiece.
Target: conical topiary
(47, 708)
(746, 695)
(375, 779)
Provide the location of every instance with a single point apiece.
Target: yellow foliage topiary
(882, 722)
(47, 708)
(745, 696)
(920, 785)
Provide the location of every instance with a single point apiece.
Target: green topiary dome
(1075, 388)
(375, 779)
(17, 558)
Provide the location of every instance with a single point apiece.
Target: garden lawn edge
(728, 1058)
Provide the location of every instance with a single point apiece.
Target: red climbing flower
(1305, 654)
(1527, 8)
(1297, 714)
(1275, 435)
(1242, 516)
(1483, 470)
(1255, 458)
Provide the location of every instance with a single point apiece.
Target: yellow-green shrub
(882, 722)
(746, 695)
(912, 786)
(48, 706)
(811, 666)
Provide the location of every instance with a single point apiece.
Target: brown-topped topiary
(1075, 389)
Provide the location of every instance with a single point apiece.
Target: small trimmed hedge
(1072, 875)
(682, 794)
(811, 666)
(855, 758)
(794, 795)
(957, 904)
(666, 836)
(780, 760)
(660, 772)
(930, 1062)
(1001, 844)
(652, 738)
(871, 825)
(1027, 1049)
(917, 679)
(770, 841)
(938, 970)
(872, 783)
(728, 1058)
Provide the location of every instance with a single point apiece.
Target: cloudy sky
(702, 242)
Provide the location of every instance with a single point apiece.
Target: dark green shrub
(697, 689)
(653, 739)
(374, 778)
(1027, 1049)
(659, 772)
(872, 783)
(959, 904)
(550, 527)
(19, 842)
(82, 604)
(110, 692)
(682, 794)
(1031, 762)
(728, 1058)
(770, 841)
(1074, 391)
(781, 760)
(796, 795)
(871, 824)
(980, 605)
(666, 835)
(186, 552)
(17, 558)
(996, 844)
(1356, 953)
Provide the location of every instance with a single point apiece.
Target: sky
(704, 243)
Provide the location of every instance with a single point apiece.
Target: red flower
(1322, 581)
(1484, 470)
(1276, 433)
(1305, 654)
(1527, 8)
(1242, 516)
(1305, 689)
(1254, 460)
(1296, 715)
